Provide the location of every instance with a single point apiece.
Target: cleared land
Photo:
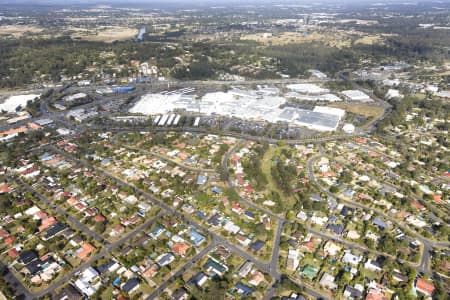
(370, 40)
(107, 35)
(376, 39)
(19, 30)
(360, 109)
(336, 39)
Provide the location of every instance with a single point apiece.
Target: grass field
(360, 109)
(266, 169)
(266, 166)
(107, 35)
(370, 40)
(375, 39)
(338, 40)
(19, 30)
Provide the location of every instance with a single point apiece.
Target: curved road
(427, 244)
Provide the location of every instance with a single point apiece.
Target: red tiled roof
(72, 201)
(248, 189)
(41, 215)
(150, 272)
(417, 205)
(3, 233)
(363, 196)
(9, 240)
(438, 199)
(46, 223)
(361, 140)
(13, 253)
(118, 228)
(80, 206)
(374, 295)
(29, 171)
(328, 174)
(33, 125)
(5, 189)
(236, 208)
(425, 286)
(87, 250)
(180, 248)
(13, 131)
(99, 218)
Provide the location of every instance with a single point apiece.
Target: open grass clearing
(106, 34)
(360, 109)
(266, 166)
(19, 30)
(338, 40)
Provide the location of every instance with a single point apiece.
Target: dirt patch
(19, 30)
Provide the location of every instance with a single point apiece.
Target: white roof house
(393, 93)
(350, 258)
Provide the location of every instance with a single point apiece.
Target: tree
(281, 143)
(215, 290)
(346, 177)
(334, 189)
(290, 215)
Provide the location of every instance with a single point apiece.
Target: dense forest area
(24, 61)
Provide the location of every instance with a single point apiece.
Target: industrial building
(81, 114)
(356, 95)
(75, 97)
(262, 104)
(324, 97)
(115, 89)
(307, 88)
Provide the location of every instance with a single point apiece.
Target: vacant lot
(370, 40)
(19, 30)
(376, 39)
(107, 34)
(360, 109)
(335, 39)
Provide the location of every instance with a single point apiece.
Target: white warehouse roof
(356, 95)
(307, 88)
(330, 110)
(259, 104)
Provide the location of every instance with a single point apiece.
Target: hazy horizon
(203, 2)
